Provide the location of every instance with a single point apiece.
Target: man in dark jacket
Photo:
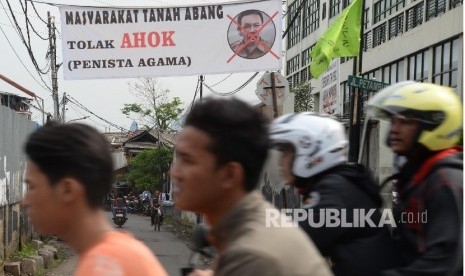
(341, 200)
(426, 123)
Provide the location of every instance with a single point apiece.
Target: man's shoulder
(118, 252)
(448, 169)
(277, 246)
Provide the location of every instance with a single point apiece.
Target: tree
(155, 110)
(303, 98)
(149, 169)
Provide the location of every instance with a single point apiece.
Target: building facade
(419, 40)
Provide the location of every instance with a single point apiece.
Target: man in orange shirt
(68, 174)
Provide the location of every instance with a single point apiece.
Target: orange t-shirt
(119, 254)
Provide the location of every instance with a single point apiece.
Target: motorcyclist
(314, 160)
(120, 202)
(426, 125)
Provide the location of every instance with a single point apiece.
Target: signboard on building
(265, 92)
(365, 84)
(129, 42)
(330, 97)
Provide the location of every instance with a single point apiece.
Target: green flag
(341, 39)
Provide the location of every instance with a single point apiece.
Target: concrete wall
(14, 228)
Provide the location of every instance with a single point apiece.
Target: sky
(103, 97)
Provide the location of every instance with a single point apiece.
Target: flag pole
(356, 98)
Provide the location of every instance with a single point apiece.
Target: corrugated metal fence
(14, 228)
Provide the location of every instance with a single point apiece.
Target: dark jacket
(430, 212)
(361, 249)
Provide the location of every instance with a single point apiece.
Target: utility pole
(356, 101)
(53, 65)
(64, 100)
(273, 93)
(201, 86)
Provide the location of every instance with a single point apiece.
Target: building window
(366, 41)
(379, 35)
(295, 80)
(311, 17)
(396, 26)
(306, 58)
(323, 13)
(393, 72)
(418, 65)
(435, 8)
(293, 37)
(455, 3)
(445, 63)
(345, 59)
(292, 65)
(384, 8)
(415, 16)
(366, 18)
(334, 8)
(304, 75)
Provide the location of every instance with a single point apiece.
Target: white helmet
(319, 141)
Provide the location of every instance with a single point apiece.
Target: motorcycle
(119, 217)
(133, 205)
(145, 199)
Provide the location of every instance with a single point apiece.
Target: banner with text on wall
(170, 41)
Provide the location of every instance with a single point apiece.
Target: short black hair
(73, 150)
(238, 132)
(249, 12)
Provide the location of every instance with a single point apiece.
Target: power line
(78, 104)
(235, 90)
(89, 118)
(227, 77)
(37, 13)
(20, 60)
(28, 22)
(23, 40)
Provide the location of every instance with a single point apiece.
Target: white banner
(330, 87)
(171, 41)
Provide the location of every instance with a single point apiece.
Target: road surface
(169, 249)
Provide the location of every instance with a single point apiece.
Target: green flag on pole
(341, 39)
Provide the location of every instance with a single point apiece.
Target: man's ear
(69, 189)
(233, 175)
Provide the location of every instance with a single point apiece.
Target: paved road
(172, 252)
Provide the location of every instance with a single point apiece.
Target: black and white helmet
(319, 141)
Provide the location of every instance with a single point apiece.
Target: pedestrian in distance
(426, 125)
(69, 172)
(155, 208)
(219, 156)
(313, 159)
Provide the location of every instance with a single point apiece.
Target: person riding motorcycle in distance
(120, 202)
(313, 159)
(426, 125)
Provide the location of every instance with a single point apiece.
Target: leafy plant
(155, 110)
(303, 98)
(149, 169)
(28, 250)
